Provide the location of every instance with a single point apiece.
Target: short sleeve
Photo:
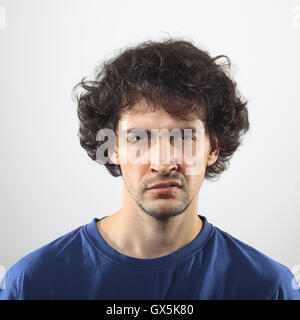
(288, 288)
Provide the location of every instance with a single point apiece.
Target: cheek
(194, 185)
(134, 155)
(133, 174)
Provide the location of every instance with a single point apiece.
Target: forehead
(139, 117)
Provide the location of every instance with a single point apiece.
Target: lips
(165, 185)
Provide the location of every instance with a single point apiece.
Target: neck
(132, 232)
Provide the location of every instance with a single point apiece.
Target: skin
(153, 225)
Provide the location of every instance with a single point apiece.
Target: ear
(213, 152)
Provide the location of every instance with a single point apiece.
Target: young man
(156, 246)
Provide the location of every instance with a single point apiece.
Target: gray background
(49, 186)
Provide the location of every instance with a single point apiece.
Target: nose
(159, 162)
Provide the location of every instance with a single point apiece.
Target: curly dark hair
(172, 74)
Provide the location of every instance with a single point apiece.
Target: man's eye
(189, 137)
(134, 138)
(186, 137)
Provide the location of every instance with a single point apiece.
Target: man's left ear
(213, 152)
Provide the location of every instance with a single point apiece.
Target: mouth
(169, 187)
(162, 190)
(166, 185)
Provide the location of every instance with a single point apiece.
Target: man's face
(158, 168)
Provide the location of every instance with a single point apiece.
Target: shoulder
(245, 254)
(22, 279)
(48, 252)
(253, 269)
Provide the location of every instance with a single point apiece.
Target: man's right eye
(134, 138)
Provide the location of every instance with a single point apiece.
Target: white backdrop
(49, 186)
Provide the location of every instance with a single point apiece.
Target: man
(156, 246)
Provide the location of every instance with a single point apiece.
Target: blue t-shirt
(82, 265)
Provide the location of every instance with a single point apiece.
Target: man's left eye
(187, 137)
(191, 137)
